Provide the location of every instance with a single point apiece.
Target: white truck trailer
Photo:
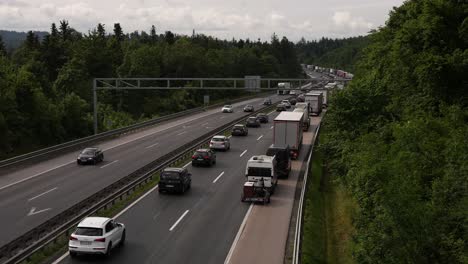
(324, 94)
(288, 131)
(304, 108)
(284, 88)
(315, 101)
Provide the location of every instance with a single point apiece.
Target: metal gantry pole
(95, 109)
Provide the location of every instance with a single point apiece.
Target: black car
(280, 107)
(239, 130)
(204, 157)
(283, 159)
(262, 117)
(300, 99)
(90, 155)
(175, 180)
(293, 101)
(267, 101)
(252, 122)
(248, 108)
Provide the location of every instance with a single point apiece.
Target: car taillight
(100, 240)
(73, 238)
(194, 157)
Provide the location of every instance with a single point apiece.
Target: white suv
(96, 235)
(286, 103)
(228, 109)
(220, 142)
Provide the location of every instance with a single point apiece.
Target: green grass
(327, 219)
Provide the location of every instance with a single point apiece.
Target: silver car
(220, 143)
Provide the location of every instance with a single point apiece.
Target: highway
(29, 196)
(198, 227)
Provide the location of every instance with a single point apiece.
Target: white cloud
(344, 21)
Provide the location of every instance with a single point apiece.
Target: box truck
(315, 101)
(283, 88)
(287, 130)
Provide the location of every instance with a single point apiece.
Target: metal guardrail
(86, 140)
(25, 246)
(299, 219)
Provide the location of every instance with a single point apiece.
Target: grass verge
(327, 218)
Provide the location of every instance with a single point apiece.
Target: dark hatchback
(283, 159)
(204, 157)
(262, 117)
(239, 130)
(175, 180)
(252, 122)
(90, 155)
(280, 107)
(293, 101)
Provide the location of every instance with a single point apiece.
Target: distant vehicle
(262, 117)
(329, 87)
(300, 98)
(293, 101)
(267, 101)
(239, 130)
(175, 180)
(220, 143)
(286, 103)
(252, 122)
(228, 109)
(315, 101)
(248, 108)
(280, 107)
(90, 155)
(284, 88)
(304, 108)
(288, 131)
(282, 154)
(204, 157)
(96, 235)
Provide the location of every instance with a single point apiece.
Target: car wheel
(109, 249)
(122, 239)
(72, 254)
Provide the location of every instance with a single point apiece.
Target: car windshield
(218, 139)
(88, 231)
(170, 175)
(261, 115)
(252, 119)
(88, 151)
(239, 126)
(227, 106)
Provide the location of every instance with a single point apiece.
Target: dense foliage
(333, 53)
(398, 137)
(45, 85)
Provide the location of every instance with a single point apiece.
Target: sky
(311, 19)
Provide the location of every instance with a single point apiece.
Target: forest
(46, 83)
(397, 137)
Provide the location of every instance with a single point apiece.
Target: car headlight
(90, 158)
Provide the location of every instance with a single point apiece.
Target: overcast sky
(252, 19)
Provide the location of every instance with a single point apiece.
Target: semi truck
(315, 101)
(287, 130)
(283, 88)
(303, 108)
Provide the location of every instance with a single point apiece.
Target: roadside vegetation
(45, 84)
(396, 138)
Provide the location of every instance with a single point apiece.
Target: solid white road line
(205, 124)
(33, 176)
(178, 220)
(109, 164)
(115, 217)
(259, 137)
(150, 146)
(181, 133)
(217, 178)
(239, 233)
(185, 166)
(46, 192)
(242, 154)
(115, 146)
(271, 112)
